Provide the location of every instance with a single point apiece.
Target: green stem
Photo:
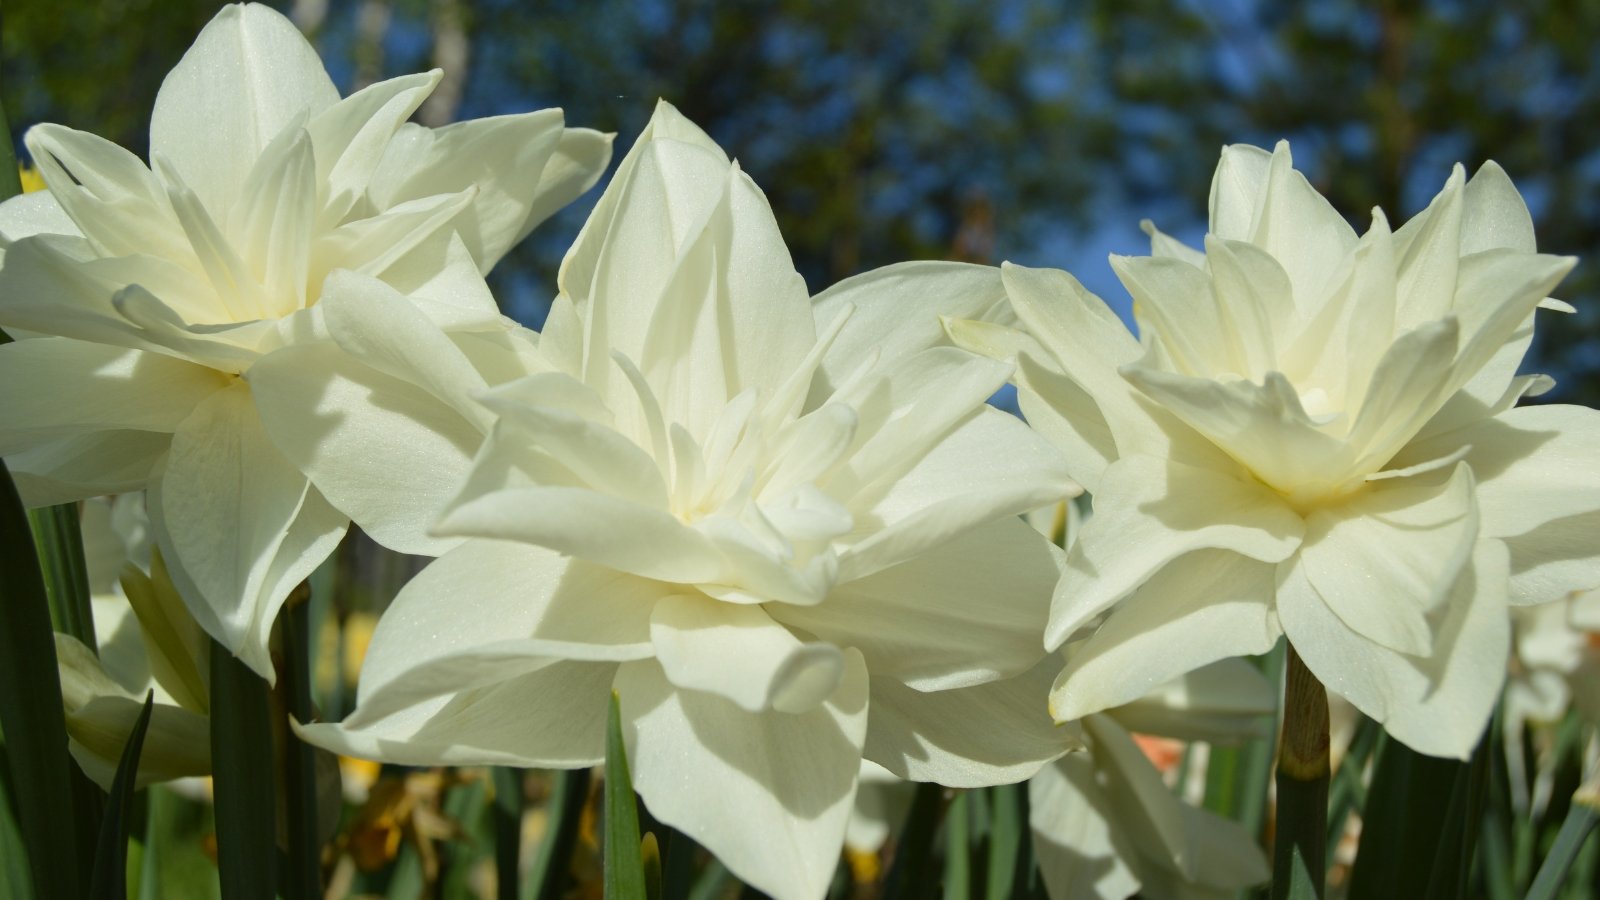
(507, 830)
(303, 878)
(1582, 818)
(243, 779)
(1299, 860)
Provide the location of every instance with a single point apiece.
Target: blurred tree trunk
(452, 52)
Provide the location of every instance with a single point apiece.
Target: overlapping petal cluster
(1105, 823)
(777, 527)
(143, 296)
(1313, 436)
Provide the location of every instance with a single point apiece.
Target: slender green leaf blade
(58, 539)
(30, 710)
(623, 865)
(1582, 818)
(110, 878)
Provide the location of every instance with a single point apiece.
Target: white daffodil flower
(781, 529)
(143, 296)
(1316, 438)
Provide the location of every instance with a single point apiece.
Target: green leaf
(623, 866)
(243, 777)
(1582, 818)
(911, 872)
(30, 711)
(552, 869)
(1406, 825)
(109, 880)
(59, 541)
(678, 863)
(303, 875)
(957, 847)
(1346, 793)
(1009, 839)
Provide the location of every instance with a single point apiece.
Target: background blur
(1028, 130)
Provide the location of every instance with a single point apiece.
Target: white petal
(1153, 511)
(1493, 213)
(671, 184)
(646, 541)
(1177, 298)
(996, 733)
(441, 278)
(1089, 344)
(1385, 561)
(1537, 491)
(373, 322)
(1201, 607)
(34, 213)
(905, 411)
(1436, 705)
(1236, 191)
(373, 245)
(1150, 814)
(91, 465)
(176, 742)
(485, 593)
(897, 310)
(1224, 702)
(110, 195)
(1075, 837)
(580, 158)
(275, 214)
(223, 511)
(358, 433)
(52, 388)
(350, 137)
(769, 793)
(962, 613)
(1301, 230)
(247, 76)
(988, 467)
(1429, 250)
(502, 157)
(739, 652)
(554, 717)
(1262, 425)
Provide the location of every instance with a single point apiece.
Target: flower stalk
(1298, 859)
(243, 778)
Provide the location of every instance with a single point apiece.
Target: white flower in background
(147, 642)
(781, 529)
(1316, 438)
(1556, 661)
(1105, 823)
(142, 295)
